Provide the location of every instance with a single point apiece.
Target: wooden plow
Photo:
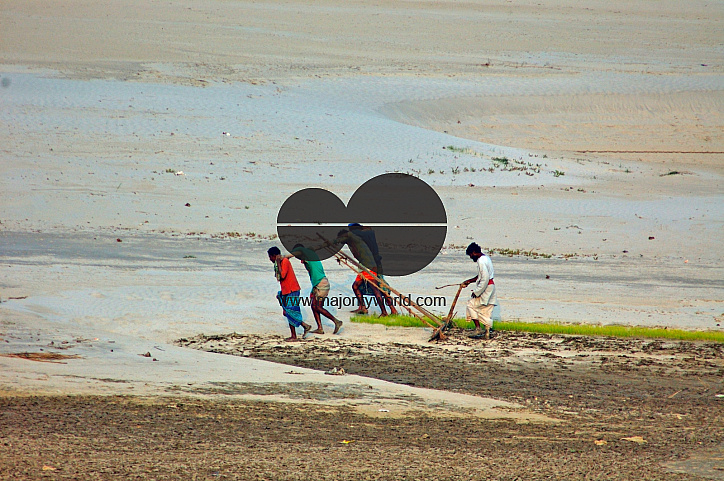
(449, 318)
(414, 309)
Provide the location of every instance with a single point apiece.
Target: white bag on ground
(496, 315)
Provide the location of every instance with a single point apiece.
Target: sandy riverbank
(609, 115)
(606, 409)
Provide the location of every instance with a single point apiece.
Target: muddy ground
(661, 395)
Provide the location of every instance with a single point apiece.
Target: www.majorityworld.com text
(348, 301)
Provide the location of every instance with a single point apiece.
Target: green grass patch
(560, 328)
(396, 321)
(610, 330)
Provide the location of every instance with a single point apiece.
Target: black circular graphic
(394, 223)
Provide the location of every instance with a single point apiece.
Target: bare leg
(360, 301)
(380, 301)
(317, 305)
(477, 332)
(315, 311)
(389, 302)
(293, 337)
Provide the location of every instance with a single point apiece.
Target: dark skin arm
(296, 254)
(282, 271)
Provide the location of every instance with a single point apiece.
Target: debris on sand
(42, 356)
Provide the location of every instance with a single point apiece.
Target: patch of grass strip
(560, 328)
(610, 330)
(392, 321)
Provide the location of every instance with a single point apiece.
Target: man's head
(355, 226)
(474, 251)
(273, 252)
(297, 247)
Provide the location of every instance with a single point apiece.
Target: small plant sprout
(452, 148)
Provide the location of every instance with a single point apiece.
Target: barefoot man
(320, 286)
(480, 306)
(288, 296)
(364, 256)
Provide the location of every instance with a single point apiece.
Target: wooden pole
(436, 322)
(344, 259)
(457, 295)
(379, 284)
(449, 319)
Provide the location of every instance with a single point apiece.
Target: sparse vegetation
(519, 252)
(238, 235)
(502, 163)
(461, 150)
(504, 251)
(558, 173)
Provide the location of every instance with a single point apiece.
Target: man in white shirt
(480, 306)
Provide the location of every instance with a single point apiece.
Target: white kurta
(483, 289)
(480, 307)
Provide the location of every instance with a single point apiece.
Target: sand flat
(224, 38)
(146, 147)
(613, 133)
